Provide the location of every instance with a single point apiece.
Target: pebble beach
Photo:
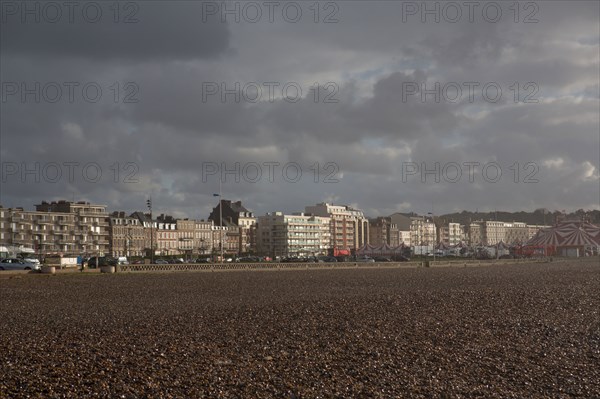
(503, 331)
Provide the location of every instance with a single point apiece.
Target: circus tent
(570, 238)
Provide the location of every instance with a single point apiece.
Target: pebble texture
(522, 331)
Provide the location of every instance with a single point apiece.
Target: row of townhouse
(83, 228)
(491, 232)
(135, 234)
(398, 229)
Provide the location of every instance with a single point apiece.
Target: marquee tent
(570, 238)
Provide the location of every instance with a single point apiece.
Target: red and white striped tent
(567, 236)
(379, 250)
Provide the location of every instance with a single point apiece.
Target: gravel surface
(519, 331)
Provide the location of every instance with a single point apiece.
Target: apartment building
(349, 228)
(60, 227)
(455, 233)
(383, 231)
(493, 232)
(475, 233)
(423, 231)
(185, 236)
(403, 224)
(235, 214)
(127, 236)
(404, 237)
(298, 234)
(203, 237)
(167, 235)
(516, 233)
(230, 236)
(150, 229)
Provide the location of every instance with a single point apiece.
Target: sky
(381, 105)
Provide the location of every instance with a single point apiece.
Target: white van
(122, 260)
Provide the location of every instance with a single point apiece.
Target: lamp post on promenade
(149, 204)
(220, 217)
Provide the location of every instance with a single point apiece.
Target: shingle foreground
(522, 331)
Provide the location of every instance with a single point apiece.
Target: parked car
(102, 261)
(248, 259)
(364, 259)
(161, 262)
(342, 258)
(381, 259)
(327, 259)
(17, 264)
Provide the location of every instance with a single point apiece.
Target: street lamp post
(220, 217)
(149, 204)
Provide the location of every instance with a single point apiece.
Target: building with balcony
(127, 235)
(516, 233)
(60, 227)
(451, 234)
(383, 231)
(281, 235)
(167, 235)
(203, 237)
(185, 236)
(229, 235)
(349, 228)
(420, 229)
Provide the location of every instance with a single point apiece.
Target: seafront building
(82, 228)
(238, 223)
(58, 227)
(348, 227)
(282, 235)
(127, 236)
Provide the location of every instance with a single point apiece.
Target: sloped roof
(237, 207)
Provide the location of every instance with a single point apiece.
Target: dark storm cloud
(142, 31)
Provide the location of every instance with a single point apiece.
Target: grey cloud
(369, 133)
(157, 30)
